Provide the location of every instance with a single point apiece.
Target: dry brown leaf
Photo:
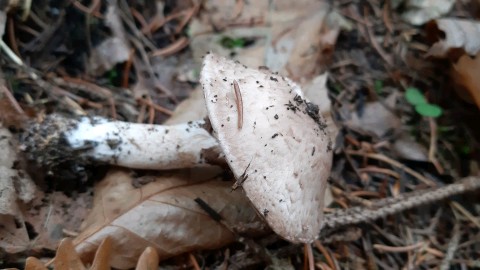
(67, 258)
(419, 12)
(299, 47)
(33, 263)
(291, 37)
(459, 34)
(162, 214)
(148, 260)
(16, 188)
(102, 256)
(466, 74)
(190, 109)
(51, 214)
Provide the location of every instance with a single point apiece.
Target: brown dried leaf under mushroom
(283, 137)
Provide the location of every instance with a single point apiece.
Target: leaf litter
(370, 166)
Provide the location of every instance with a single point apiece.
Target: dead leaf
(67, 258)
(16, 188)
(112, 50)
(52, 213)
(191, 109)
(290, 37)
(459, 34)
(148, 260)
(408, 148)
(33, 263)
(301, 46)
(466, 74)
(162, 214)
(376, 118)
(102, 256)
(419, 12)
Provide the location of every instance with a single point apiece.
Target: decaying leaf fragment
(419, 12)
(466, 74)
(15, 188)
(162, 214)
(68, 259)
(460, 36)
(114, 49)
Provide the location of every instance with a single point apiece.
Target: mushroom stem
(89, 140)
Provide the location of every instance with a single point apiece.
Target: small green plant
(378, 86)
(230, 43)
(112, 76)
(422, 107)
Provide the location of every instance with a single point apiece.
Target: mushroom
(58, 141)
(274, 141)
(272, 138)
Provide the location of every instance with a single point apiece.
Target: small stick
(384, 248)
(239, 101)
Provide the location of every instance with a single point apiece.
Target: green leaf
(378, 86)
(428, 110)
(414, 96)
(230, 43)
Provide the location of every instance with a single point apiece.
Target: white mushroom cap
(282, 151)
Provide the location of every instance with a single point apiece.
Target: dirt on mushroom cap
(281, 155)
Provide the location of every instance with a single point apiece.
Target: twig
(157, 107)
(433, 145)
(10, 53)
(194, 262)
(11, 36)
(452, 248)
(128, 67)
(12, 100)
(393, 163)
(465, 212)
(173, 48)
(385, 207)
(387, 58)
(309, 261)
(384, 248)
(325, 253)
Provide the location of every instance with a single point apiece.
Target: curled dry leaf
(465, 74)
(148, 260)
(68, 259)
(162, 214)
(419, 12)
(459, 34)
